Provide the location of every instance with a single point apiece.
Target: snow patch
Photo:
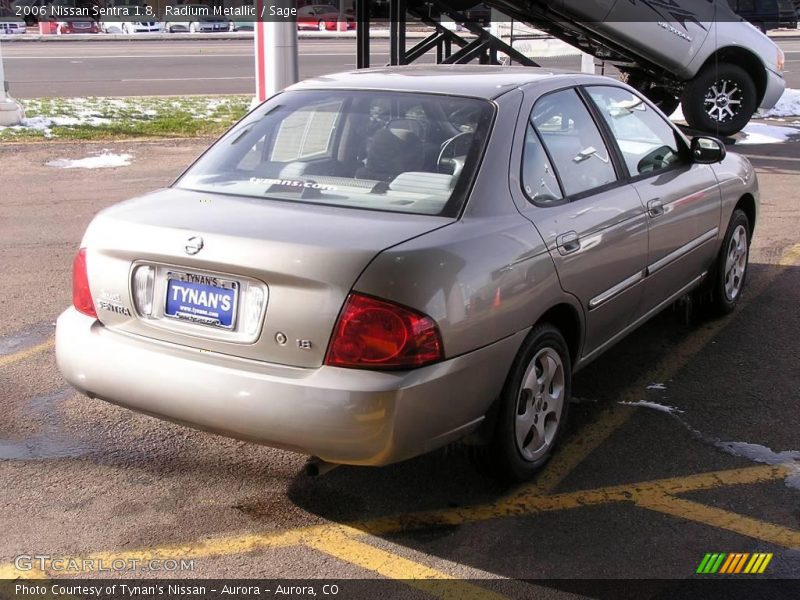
(656, 386)
(104, 160)
(671, 410)
(788, 105)
(761, 133)
(763, 454)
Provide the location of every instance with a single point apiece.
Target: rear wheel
(533, 406)
(322, 26)
(721, 99)
(730, 270)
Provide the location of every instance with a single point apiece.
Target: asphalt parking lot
(683, 439)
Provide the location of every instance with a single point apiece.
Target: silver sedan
(374, 264)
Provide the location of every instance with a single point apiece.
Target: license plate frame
(195, 281)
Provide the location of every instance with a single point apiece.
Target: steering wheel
(452, 162)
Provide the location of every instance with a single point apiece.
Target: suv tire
(720, 100)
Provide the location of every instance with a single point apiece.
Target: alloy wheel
(735, 263)
(539, 404)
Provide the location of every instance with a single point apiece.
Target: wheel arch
(745, 59)
(566, 318)
(747, 203)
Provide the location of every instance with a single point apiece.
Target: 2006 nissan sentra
(374, 264)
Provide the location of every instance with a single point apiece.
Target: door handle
(568, 242)
(655, 208)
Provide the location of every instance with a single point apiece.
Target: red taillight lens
(375, 334)
(81, 294)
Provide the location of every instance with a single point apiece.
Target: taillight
(81, 294)
(375, 334)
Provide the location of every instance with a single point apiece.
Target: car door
(592, 222)
(682, 198)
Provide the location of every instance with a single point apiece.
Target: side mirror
(707, 150)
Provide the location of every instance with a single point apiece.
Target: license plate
(204, 299)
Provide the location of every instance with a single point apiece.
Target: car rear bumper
(340, 415)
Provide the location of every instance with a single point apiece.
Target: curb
(186, 37)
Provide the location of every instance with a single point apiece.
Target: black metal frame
(483, 46)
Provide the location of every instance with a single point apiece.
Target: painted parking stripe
(721, 519)
(644, 492)
(431, 581)
(8, 359)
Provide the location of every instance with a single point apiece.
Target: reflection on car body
(371, 265)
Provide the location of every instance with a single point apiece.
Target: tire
(125, 29)
(322, 26)
(192, 28)
(730, 270)
(708, 99)
(534, 402)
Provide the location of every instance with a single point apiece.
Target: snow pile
(654, 406)
(761, 133)
(762, 454)
(103, 160)
(787, 106)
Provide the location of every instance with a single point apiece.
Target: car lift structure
(451, 48)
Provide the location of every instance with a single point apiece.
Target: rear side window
(538, 177)
(397, 152)
(647, 142)
(573, 141)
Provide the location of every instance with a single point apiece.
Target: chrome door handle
(568, 242)
(655, 208)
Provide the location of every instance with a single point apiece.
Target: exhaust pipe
(316, 467)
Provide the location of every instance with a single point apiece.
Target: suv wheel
(721, 99)
(533, 406)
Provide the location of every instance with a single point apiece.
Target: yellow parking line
(527, 505)
(431, 581)
(11, 572)
(790, 256)
(8, 359)
(719, 518)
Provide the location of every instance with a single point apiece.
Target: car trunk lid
(305, 258)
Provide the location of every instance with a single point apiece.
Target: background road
(175, 67)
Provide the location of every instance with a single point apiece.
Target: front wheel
(720, 100)
(533, 406)
(730, 270)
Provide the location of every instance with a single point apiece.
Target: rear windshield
(388, 151)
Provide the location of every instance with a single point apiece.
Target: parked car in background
(130, 22)
(245, 25)
(374, 264)
(767, 14)
(199, 19)
(10, 24)
(322, 17)
(70, 25)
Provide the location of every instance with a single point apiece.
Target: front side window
(567, 130)
(397, 152)
(647, 142)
